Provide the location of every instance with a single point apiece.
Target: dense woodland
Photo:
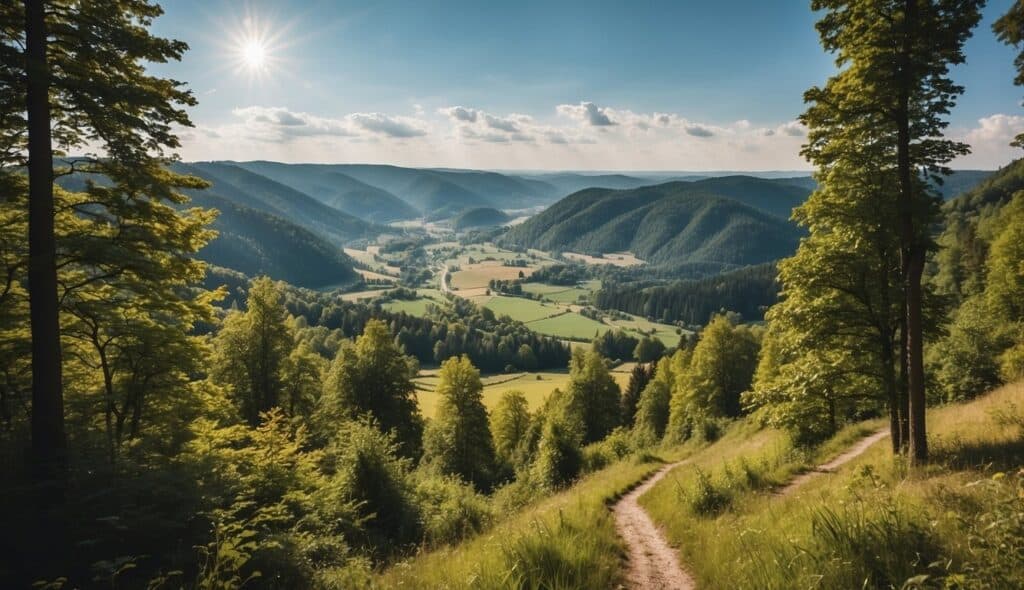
(167, 426)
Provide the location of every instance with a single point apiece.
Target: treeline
(459, 328)
(748, 291)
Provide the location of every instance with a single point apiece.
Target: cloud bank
(579, 136)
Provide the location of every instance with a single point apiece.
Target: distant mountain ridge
(730, 221)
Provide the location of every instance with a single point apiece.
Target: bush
(559, 459)
(449, 509)
(703, 497)
(614, 447)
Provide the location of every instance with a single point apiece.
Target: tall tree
(251, 351)
(373, 376)
(73, 76)
(893, 90)
(592, 396)
(458, 440)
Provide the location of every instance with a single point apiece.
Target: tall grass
(958, 523)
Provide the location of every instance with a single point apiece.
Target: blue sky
(682, 85)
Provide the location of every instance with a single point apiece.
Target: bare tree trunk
(48, 439)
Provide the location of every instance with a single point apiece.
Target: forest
(169, 423)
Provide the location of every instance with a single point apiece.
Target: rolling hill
(337, 190)
(727, 221)
(258, 243)
(254, 191)
(480, 217)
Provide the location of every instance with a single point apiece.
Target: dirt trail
(851, 454)
(653, 563)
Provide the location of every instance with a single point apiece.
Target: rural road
(653, 563)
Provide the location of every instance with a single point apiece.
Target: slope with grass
(958, 522)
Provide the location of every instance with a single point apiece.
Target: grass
(562, 293)
(958, 522)
(641, 326)
(520, 309)
(569, 325)
(535, 386)
(565, 541)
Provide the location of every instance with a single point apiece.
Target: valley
(511, 295)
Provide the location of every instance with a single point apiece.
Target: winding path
(852, 453)
(653, 563)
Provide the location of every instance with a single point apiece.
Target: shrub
(703, 497)
(449, 509)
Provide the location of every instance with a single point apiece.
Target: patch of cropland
(725, 221)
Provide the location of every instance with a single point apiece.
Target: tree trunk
(913, 251)
(892, 392)
(48, 441)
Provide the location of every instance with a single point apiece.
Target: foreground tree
(66, 68)
(458, 441)
(893, 91)
(251, 351)
(592, 396)
(373, 376)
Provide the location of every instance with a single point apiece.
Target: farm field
(479, 275)
(642, 326)
(367, 257)
(520, 309)
(418, 306)
(562, 293)
(568, 325)
(357, 295)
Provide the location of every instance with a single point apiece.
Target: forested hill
(480, 217)
(431, 193)
(258, 243)
(971, 222)
(254, 191)
(337, 189)
(729, 221)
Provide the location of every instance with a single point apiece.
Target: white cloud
(990, 141)
(580, 136)
(586, 112)
(281, 124)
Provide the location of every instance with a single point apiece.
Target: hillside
(730, 221)
(337, 190)
(258, 243)
(254, 191)
(480, 217)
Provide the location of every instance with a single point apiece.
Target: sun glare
(254, 54)
(256, 46)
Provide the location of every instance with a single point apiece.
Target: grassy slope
(872, 525)
(869, 524)
(565, 541)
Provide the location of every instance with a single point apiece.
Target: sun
(254, 46)
(254, 54)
